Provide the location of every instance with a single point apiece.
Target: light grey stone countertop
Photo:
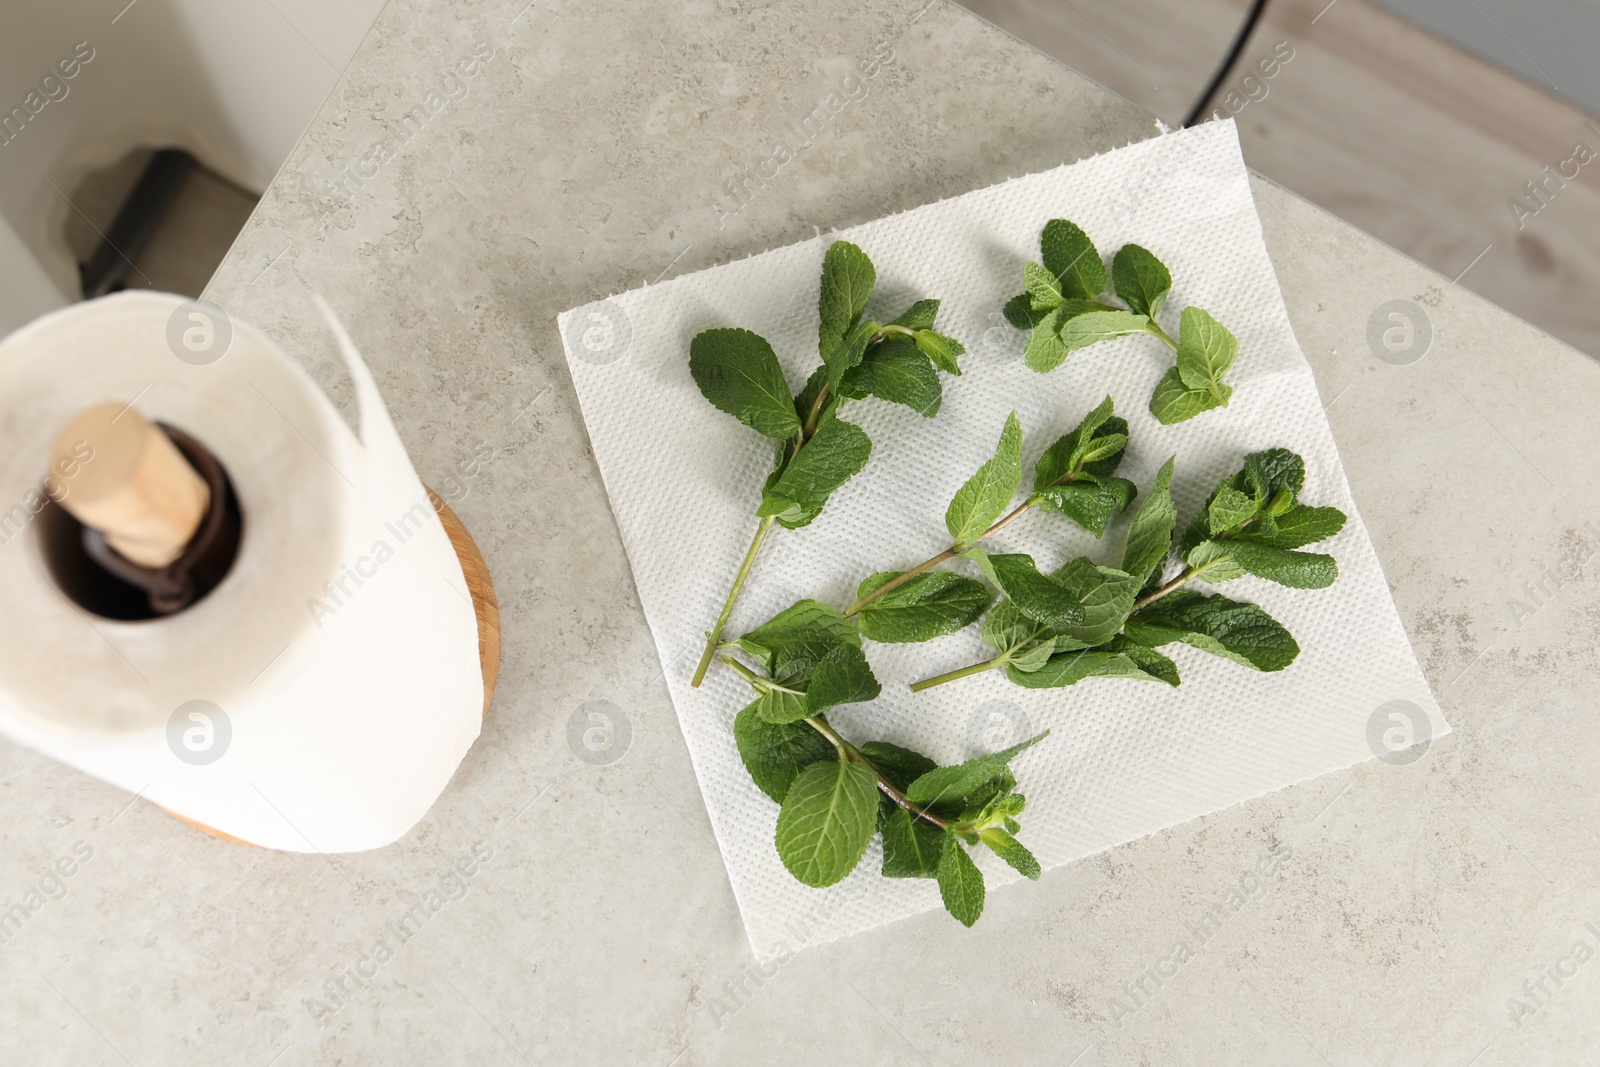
(596, 146)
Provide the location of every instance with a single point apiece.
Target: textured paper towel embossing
(1125, 759)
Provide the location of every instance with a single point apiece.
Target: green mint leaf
(1100, 467)
(1088, 504)
(847, 280)
(919, 316)
(1098, 424)
(843, 677)
(1031, 657)
(1000, 809)
(1055, 464)
(980, 501)
(1118, 658)
(1297, 527)
(1044, 288)
(791, 515)
(1140, 279)
(791, 643)
(1092, 327)
(775, 754)
(1012, 851)
(1199, 529)
(1103, 446)
(849, 352)
(1267, 473)
(1070, 450)
(1228, 509)
(976, 812)
(960, 882)
(1175, 402)
(981, 558)
(1019, 312)
(927, 606)
(952, 785)
(1104, 595)
(898, 371)
(739, 373)
(1006, 629)
(1150, 537)
(1271, 478)
(1036, 595)
(1025, 642)
(900, 766)
(941, 349)
(1214, 562)
(1006, 755)
(832, 457)
(1297, 570)
(1147, 661)
(1206, 352)
(1063, 669)
(1238, 631)
(827, 820)
(1070, 255)
(963, 781)
(911, 846)
(1121, 488)
(781, 706)
(1046, 350)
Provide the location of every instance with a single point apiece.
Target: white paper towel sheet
(343, 725)
(1124, 759)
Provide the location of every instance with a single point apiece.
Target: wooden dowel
(136, 487)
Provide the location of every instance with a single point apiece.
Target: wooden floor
(1414, 141)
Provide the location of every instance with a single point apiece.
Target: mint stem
(714, 637)
(1152, 597)
(744, 672)
(976, 668)
(953, 550)
(812, 416)
(988, 665)
(949, 553)
(854, 754)
(1155, 327)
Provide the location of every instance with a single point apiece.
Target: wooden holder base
(484, 604)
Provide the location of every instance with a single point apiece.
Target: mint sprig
(928, 815)
(1252, 523)
(1073, 477)
(1066, 308)
(815, 450)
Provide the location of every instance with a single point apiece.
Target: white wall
(232, 81)
(26, 292)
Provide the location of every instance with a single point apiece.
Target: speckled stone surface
(1429, 912)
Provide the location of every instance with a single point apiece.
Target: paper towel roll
(342, 646)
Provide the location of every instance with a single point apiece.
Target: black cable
(1223, 71)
